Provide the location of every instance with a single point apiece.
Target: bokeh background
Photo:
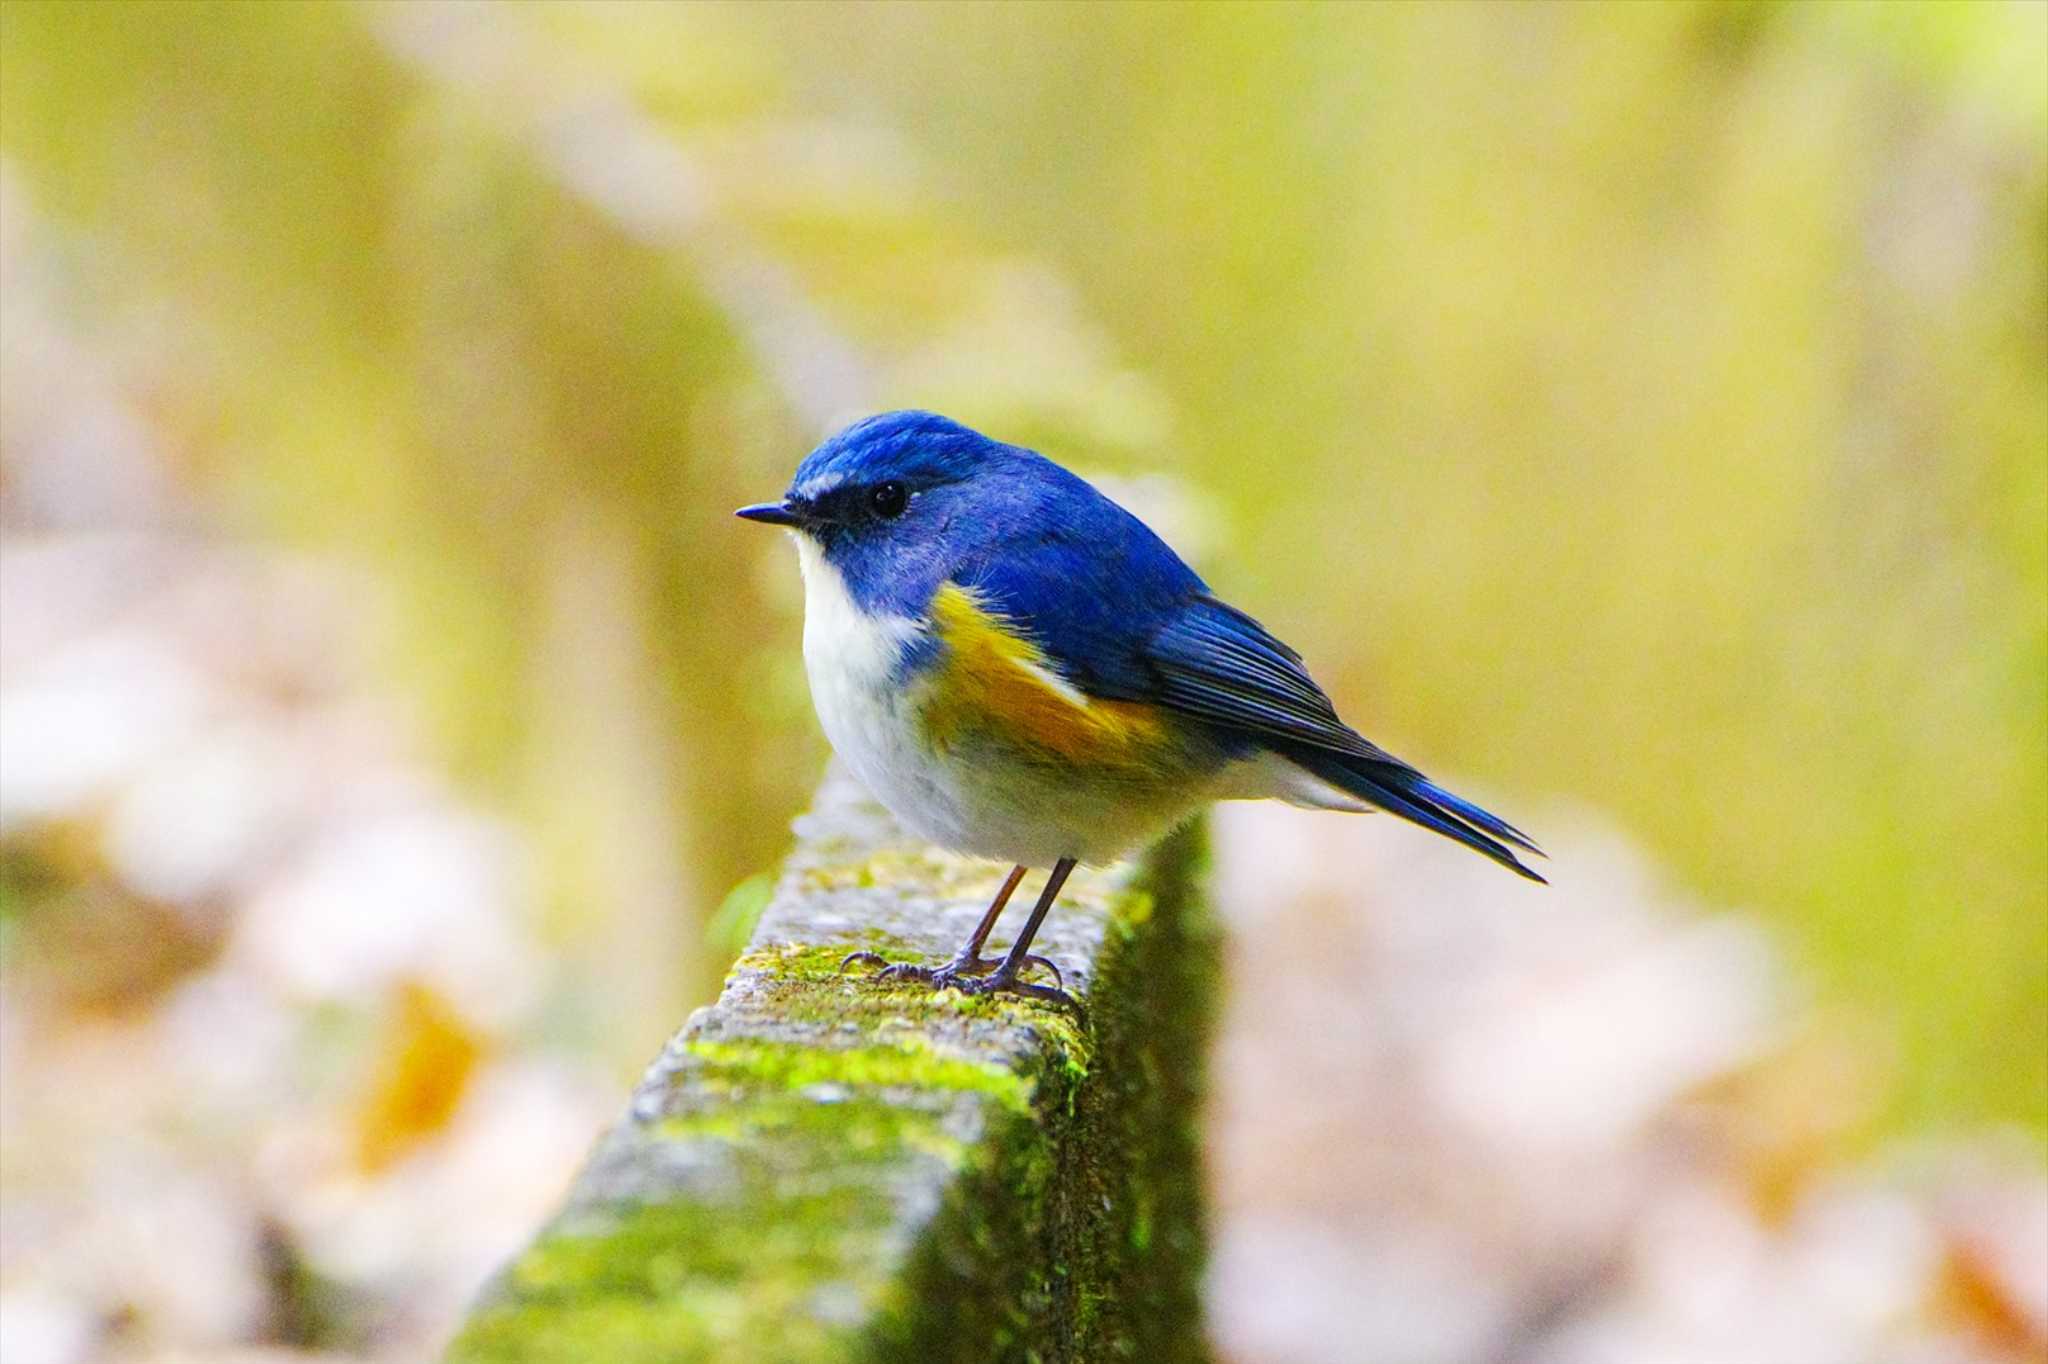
(1636, 412)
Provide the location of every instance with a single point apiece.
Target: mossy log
(823, 1167)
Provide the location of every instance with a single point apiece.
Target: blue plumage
(903, 504)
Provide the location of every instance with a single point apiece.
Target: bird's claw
(1004, 982)
(954, 970)
(895, 970)
(969, 975)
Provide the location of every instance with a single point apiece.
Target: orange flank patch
(995, 682)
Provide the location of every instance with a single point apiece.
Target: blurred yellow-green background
(1633, 410)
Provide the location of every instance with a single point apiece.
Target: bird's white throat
(840, 639)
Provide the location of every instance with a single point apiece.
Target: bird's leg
(967, 961)
(1005, 976)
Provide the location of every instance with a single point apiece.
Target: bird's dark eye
(889, 499)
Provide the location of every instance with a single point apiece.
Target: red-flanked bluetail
(1021, 670)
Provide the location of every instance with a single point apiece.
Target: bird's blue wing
(1127, 620)
(1214, 661)
(1089, 591)
(1122, 617)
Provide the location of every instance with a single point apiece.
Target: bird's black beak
(770, 513)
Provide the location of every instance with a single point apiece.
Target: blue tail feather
(1401, 790)
(1473, 815)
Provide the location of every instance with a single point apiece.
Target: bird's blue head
(899, 502)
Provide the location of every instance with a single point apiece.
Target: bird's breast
(960, 724)
(962, 683)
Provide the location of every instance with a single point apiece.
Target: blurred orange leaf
(425, 1070)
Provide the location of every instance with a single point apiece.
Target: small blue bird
(1021, 670)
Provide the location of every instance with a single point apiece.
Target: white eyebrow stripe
(820, 485)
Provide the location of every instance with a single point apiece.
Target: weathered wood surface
(821, 1167)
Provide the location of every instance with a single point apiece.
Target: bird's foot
(968, 974)
(1006, 981)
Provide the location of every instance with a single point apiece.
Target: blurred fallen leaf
(1789, 1117)
(426, 1069)
(96, 948)
(1972, 1292)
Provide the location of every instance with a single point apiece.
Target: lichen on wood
(824, 1167)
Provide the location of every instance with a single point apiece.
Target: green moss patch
(911, 1063)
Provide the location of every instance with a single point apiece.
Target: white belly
(970, 799)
